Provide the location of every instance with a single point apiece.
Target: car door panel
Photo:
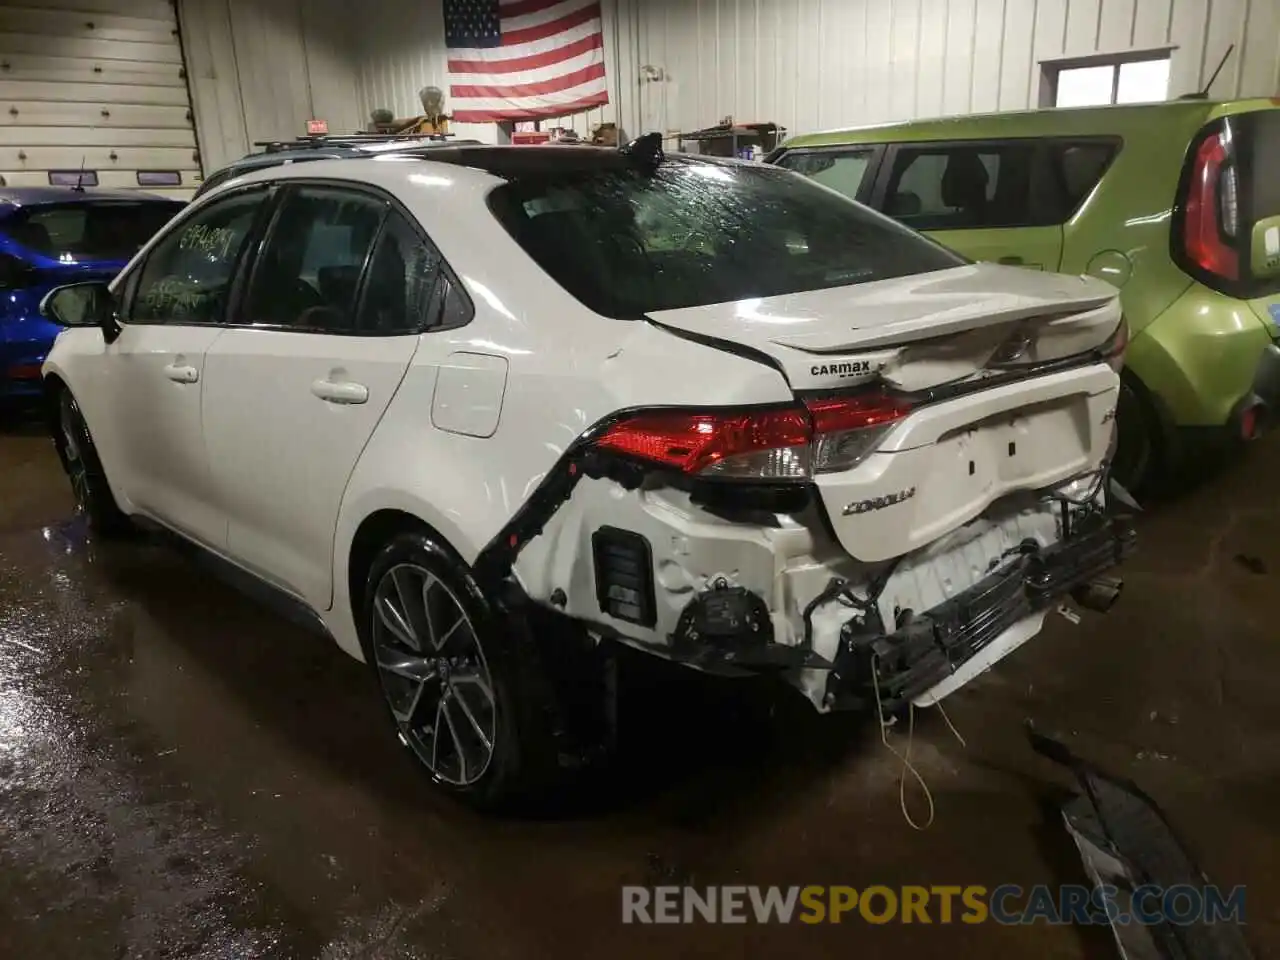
(158, 431)
(1038, 248)
(298, 383)
(286, 418)
(173, 306)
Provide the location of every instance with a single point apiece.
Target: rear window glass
(106, 230)
(628, 242)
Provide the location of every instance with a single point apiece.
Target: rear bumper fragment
(926, 648)
(726, 630)
(1127, 845)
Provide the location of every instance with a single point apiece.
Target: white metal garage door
(98, 85)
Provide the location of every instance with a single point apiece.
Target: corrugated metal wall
(402, 50)
(812, 64)
(94, 87)
(260, 69)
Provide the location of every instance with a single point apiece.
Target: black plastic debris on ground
(1125, 841)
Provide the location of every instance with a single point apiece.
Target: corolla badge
(878, 503)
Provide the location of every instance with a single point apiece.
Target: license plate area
(1016, 448)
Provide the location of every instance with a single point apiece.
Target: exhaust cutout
(1099, 595)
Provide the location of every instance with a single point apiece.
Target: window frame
(1051, 69)
(877, 152)
(1041, 164)
(132, 274)
(248, 270)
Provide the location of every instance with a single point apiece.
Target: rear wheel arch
(373, 533)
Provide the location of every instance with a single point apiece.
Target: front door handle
(333, 392)
(181, 373)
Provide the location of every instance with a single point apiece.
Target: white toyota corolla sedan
(488, 412)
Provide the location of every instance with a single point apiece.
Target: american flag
(523, 59)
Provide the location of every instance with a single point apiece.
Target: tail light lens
(1212, 211)
(846, 429)
(793, 442)
(24, 371)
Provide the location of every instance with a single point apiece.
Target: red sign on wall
(317, 128)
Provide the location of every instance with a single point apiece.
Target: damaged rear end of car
(936, 483)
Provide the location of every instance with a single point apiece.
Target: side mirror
(88, 304)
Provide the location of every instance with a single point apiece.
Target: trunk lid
(913, 332)
(947, 460)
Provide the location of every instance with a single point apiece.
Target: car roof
(486, 164)
(1115, 120)
(15, 197)
(308, 150)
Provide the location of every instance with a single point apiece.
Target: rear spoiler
(1126, 842)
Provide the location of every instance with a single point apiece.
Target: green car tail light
(1212, 210)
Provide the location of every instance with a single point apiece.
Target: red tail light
(1211, 210)
(793, 442)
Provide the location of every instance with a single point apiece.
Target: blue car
(55, 235)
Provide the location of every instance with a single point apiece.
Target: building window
(1098, 81)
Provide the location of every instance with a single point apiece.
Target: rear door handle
(332, 392)
(181, 373)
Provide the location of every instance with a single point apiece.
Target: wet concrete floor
(182, 774)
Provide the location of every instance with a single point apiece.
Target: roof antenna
(646, 149)
(1204, 94)
(79, 187)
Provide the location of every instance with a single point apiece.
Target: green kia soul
(1177, 204)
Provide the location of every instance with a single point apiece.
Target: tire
(462, 681)
(1140, 461)
(93, 496)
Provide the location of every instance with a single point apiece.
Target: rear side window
(402, 277)
(841, 170)
(308, 274)
(962, 187)
(95, 230)
(1078, 167)
(626, 242)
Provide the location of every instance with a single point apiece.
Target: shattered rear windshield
(630, 241)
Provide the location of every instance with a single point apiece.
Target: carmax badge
(878, 503)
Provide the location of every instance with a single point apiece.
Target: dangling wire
(950, 726)
(905, 757)
(907, 765)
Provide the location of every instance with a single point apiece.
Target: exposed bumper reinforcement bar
(927, 648)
